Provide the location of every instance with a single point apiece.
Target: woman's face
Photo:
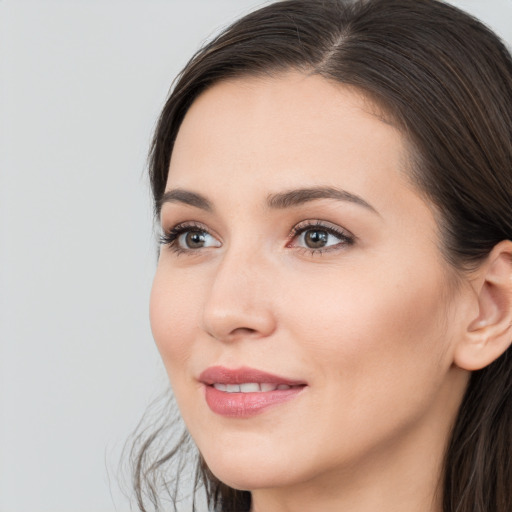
(299, 255)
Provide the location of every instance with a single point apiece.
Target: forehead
(300, 103)
(268, 133)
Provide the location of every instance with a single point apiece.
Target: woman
(333, 297)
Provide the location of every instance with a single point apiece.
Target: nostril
(244, 331)
(239, 332)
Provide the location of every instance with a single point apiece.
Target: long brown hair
(446, 81)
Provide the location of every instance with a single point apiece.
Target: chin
(251, 478)
(248, 473)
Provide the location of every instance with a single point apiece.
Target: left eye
(317, 238)
(320, 237)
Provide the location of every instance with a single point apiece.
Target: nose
(239, 301)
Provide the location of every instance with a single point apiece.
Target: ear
(489, 334)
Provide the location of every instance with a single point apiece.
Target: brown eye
(315, 238)
(319, 237)
(194, 239)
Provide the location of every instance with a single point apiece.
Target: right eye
(185, 238)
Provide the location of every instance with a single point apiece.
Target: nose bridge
(239, 300)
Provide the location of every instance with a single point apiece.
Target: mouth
(251, 387)
(245, 376)
(245, 392)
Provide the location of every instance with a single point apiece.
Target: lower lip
(245, 405)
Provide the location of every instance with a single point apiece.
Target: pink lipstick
(245, 392)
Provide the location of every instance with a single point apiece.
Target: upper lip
(222, 375)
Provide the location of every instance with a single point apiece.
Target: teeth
(250, 387)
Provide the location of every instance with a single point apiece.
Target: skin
(372, 326)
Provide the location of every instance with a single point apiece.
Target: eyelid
(170, 237)
(345, 236)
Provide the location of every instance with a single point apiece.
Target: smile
(251, 387)
(246, 392)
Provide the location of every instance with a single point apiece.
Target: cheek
(368, 325)
(173, 317)
(377, 354)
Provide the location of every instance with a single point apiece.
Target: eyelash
(170, 238)
(346, 238)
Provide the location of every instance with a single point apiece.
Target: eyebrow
(180, 195)
(304, 195)
(281, 200)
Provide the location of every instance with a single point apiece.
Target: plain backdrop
(81, 85)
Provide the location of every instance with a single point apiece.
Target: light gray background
(81, 85)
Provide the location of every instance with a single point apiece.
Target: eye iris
(315, 238)
(195, 239)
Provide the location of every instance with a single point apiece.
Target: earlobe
(489, 334)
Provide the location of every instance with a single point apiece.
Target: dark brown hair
(445, 81)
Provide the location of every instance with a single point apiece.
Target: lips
(245, 392)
